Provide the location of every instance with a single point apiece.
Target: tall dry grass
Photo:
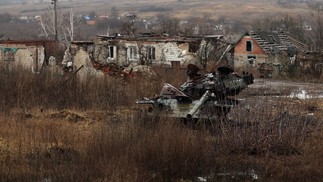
(24, 90)
(89, 132)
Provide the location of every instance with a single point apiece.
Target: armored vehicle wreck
(200, 97)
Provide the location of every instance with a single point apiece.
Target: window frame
(253, 58)
(111, 52)
(150, 52)
(249, 46)
(132, 52)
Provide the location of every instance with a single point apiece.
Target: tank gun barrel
(197, 106)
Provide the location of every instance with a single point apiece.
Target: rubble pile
(143, 70)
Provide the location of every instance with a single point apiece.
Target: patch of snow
(301, 94)
(201, 179)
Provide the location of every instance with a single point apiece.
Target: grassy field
(92, 131)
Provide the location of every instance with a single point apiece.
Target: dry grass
(89, 132)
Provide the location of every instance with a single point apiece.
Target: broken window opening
(151, 52)
(248, 46)
(251, 60)
(112, 52)
(132, 52)
(9, 56)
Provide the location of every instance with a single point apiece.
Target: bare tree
(114, 13)
(66, 23)
(70, 26)
(129, 24)
(319, 29)
(210, 51)
(206, 24)
(5, 17)
(168, 25)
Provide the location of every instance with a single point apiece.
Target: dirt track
(276, 96)
(302, 90)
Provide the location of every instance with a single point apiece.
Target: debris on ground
(143, 70)
(132, 70)
(70, 116)
(110, 69)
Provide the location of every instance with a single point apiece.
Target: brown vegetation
(91, 131)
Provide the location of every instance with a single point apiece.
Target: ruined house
(146, 49)
(256, 48)
(31, 55)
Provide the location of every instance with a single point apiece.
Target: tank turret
(206, 96)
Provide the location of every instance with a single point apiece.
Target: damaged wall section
(142, 51)
(31, 55)
(126, 51)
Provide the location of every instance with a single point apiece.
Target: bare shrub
(257, 128)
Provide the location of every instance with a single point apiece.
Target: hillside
(232, 9)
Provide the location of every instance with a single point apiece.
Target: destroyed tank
(200, 97)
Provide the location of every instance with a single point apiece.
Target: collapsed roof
(274, 42)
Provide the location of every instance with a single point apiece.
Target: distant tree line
(5, 18)
(73, 25)
(155, 9)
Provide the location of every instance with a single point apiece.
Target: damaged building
(260, 52)
(31, 55)
(147, 50)
(263, 50)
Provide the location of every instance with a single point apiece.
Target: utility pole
(55, 18)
